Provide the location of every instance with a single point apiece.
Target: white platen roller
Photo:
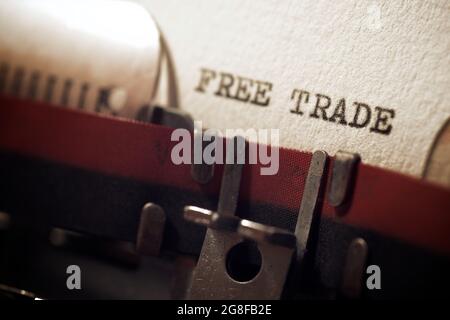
(101, 56)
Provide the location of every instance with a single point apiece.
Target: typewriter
(238, 150)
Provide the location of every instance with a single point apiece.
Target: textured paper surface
(394, 54)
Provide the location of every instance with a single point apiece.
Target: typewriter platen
(138, 162)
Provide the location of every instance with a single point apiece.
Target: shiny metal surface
(16, 294)
(245, 228)
(266, 234)
(198, 215)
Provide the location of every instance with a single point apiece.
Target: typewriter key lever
(150, 230)
(342, 177)
(242, 259)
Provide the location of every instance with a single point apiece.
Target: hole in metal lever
(243, 261)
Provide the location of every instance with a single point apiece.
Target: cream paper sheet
(391, 54)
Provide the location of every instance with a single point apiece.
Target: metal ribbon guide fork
(229, 241)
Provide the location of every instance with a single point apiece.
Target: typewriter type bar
(345, 164)
(309, 202)
(354, 269)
